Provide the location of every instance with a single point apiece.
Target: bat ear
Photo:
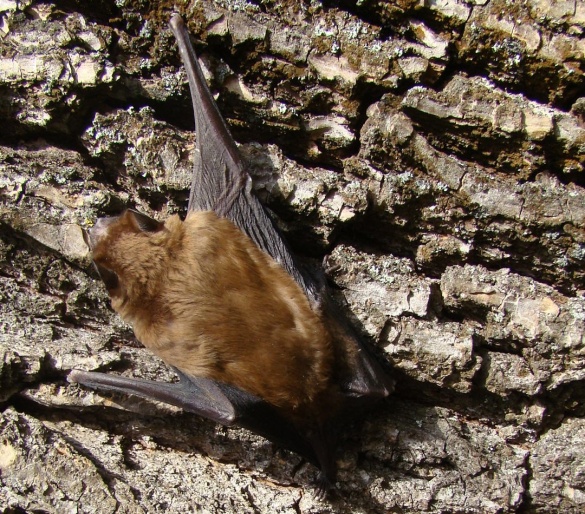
(109, 277)
(143, 222)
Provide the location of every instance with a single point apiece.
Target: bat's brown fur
(203, 297)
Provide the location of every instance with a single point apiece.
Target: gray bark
(431, 151)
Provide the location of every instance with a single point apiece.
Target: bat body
(255, 340)
(206, 300)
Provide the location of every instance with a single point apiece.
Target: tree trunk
(432, 151)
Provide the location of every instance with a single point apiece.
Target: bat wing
(222, 403)
(220, 181)
(221, 184)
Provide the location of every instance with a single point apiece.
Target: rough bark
(431, 151)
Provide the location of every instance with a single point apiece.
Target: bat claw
(75, 376)
(323, 486)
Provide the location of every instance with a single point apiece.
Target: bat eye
(109, 277)
(145, 223)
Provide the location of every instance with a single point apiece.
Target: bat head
(125, 249)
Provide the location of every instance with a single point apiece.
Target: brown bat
(254, 339)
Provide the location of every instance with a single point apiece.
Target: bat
(254, 338)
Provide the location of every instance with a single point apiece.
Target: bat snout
(93, 235)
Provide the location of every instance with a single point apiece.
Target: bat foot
(323, 486)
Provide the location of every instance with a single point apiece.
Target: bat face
(113, 240)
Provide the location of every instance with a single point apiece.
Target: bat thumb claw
(75, 376)
(72, 375)
(176, 22)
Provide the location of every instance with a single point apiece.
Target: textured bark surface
(431, 151)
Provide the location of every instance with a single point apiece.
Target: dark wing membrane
(218, 174)
(200, 396)
(220, 182)
(222, 403)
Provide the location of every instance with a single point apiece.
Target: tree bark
(431, 152)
